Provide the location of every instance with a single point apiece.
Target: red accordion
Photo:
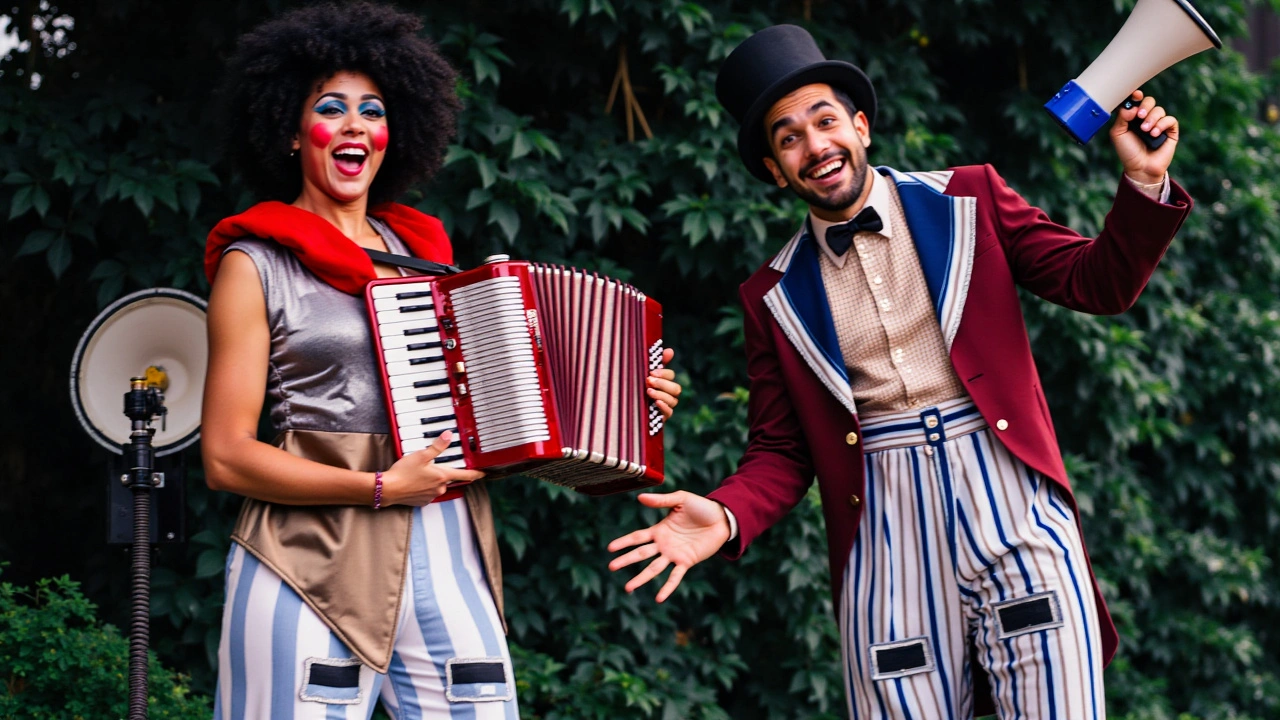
(538, 369)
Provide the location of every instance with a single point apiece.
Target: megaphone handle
(1135, 126)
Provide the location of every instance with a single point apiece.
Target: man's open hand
(694, 530)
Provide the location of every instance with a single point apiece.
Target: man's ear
(862, 126)
(772, 166)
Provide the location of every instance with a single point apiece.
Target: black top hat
(768, 66)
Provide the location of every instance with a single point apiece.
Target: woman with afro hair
(353, 577)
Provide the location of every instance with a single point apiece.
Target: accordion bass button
(450, 344)
(496, 259)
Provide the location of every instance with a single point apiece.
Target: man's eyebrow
(783, 122)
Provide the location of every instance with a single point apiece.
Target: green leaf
(694, 227)
(454, 154)
(715, 223)
(109, 290)
(478, 197)
(63, 170)
(506, 217)
(520, 146)
(486, 69)
(59, 257)
(21, 201)
(143, 200)
(36, 241)
(488, 170)
(545, 144)
(197, 172)
(210, 563)
(106, 269)
(166, 193)
(189, 195)
(574, 9)
(40, 200)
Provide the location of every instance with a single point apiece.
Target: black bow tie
(840, 237)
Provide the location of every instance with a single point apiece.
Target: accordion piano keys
(415, 374)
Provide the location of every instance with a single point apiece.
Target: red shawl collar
(321, 247)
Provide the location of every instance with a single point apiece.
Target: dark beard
(841, 199)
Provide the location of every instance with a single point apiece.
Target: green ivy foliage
(59, 661)
(1167, 415)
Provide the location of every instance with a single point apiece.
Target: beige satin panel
(348, 562)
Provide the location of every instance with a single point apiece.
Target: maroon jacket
(977, 241)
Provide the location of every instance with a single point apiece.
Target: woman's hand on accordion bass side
(663, 388)
(694, 530)
(415, 479)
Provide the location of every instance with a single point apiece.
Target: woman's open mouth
(350, 158)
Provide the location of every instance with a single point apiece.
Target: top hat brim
(753, 146)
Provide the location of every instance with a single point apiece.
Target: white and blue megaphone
(1158, 34)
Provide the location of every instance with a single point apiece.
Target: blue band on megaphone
(1077, 113)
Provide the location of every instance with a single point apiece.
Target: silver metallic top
(323, 372)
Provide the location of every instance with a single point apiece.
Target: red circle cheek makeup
(380, 138)
(320, 135)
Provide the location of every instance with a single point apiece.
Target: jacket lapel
(944, 230)
(799, 304)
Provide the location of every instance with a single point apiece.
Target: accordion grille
(494, 335)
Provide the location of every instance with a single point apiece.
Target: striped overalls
(961, 545)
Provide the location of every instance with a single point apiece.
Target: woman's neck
(350, 218)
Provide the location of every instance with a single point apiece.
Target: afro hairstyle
(280, 63)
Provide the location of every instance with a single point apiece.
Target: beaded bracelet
(377, 490)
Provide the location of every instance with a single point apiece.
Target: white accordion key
(398, 304)
(420, 353)
(405, 368)
(408, 328)
(429, 376)
(425, 424)
(421, 312)
(423, 398)
(415, 404)
(401, 289)
(421, 334)
(410, 392)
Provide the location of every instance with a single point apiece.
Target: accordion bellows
(538, 369)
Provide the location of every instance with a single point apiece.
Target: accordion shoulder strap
(425, 266)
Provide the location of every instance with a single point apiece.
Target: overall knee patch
(478, 680)
(901, 658)
(334, 681)
(1021, 616)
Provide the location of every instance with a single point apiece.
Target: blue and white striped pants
(962, 545)
(277, 660)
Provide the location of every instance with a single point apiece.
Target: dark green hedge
(1168, 415)
(57, 661)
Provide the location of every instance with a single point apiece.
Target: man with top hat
(888, 356)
